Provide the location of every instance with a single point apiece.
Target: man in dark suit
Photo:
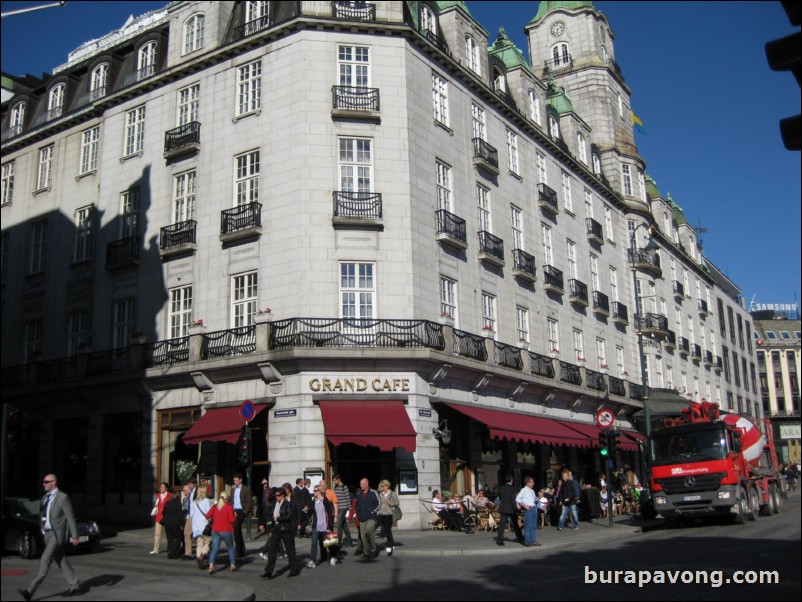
(55, 515)
(243, 508)
(508, 511)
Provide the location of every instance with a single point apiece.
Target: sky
(700, 83)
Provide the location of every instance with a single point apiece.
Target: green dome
(651, 188)
(444, 5)
(558, 99)
(505, 51)
(676, 211)
(545, 7)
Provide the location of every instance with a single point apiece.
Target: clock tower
(571, 44)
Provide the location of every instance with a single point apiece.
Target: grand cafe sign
(383, 383)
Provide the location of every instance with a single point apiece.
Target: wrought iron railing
(469, 345)
(177, 235)
(684, 345)
(703, 307)
(594, 229)
(523, 262)
(451, 225)
(570, 374)
(601, 302)
(485, 152)
(696, 351)
(508, 356)
(617, 386)
(123, 252)
(360, 205)
(168, 352)
(547, 195)
(679, 289)
(241, 218)
(541, 365)
(595, 380)
(251, 27)
(107, 362)
(352, 98)
(435, 40)
(651, 322)
(491, 245)
(54, 371)
(557, 65)
(345, 332)
(644, 258)
(354, 11)
(620, 311)
(552, 277)
(182, 137)
(227, 343)
(578, 290)
(635, 391)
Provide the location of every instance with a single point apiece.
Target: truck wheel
(754, 504)
(776, 498)
(741, 509)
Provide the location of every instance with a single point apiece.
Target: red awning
(522, 427)
(379, 423)
(218, 424)
(591, 431)
(630, 441)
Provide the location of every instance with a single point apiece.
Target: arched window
(596, 164)
(560, 56)
(554, 127)
(146, 61)
(605, 57)
(499, 80)
(99, 81)
(582, 148)
(256, 10)
(472, 55)
(193, 33)
(534, 107)
(427, 20)
(17, 121)
(55, 102)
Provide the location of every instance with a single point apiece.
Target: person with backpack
(569, 497)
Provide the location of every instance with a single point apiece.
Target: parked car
(22, 530)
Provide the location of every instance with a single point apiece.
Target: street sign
(247, 410)
(605, 418)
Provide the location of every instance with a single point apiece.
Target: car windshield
(678, 446)
(22, 508)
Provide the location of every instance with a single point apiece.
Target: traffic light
(613, 441)
(243, 449)
(604, 444)
(784, 55)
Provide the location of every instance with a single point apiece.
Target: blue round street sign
(247, 410)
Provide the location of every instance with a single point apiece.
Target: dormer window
(499, 80)
(99, 81)
(472, 55)
(193, 33)
(427, 20)
(554, 127)
(17, 120)
(55, 102)
(582, 148)
(534, 107)
(146, 61)
(596, 159)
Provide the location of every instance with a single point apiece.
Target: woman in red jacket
(158, 513)
(222, 515)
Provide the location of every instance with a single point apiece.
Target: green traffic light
(604, 452)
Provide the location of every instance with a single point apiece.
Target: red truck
(705, 463)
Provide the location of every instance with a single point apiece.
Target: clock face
(557, 29)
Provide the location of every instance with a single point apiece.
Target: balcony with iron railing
(617, 386)
(485, 156)
(251, 27)
(347, 332)
(595, 380)
(547, 199)
(578, 292)
(124, 253)
(652, 324)
(357, 208)
(178, 238)
(354, 11)
(436, 41)
(451, 230)
(703, 309)
(523, 265)
(354, 101)
(594, 231)
(570, 374)
(469, 345)
(601, 304)
(240, 222)
(560, 65)
(553, 280)
(228, 343)
(646, 261)
(708, 359)
(684, 345)
(679, 290)
(696, 352)
(718, 364)
(508, 356)
(491, 249)
(636, 391)
(185, 139)
(620, 313)
(671, 340)
(541, 365)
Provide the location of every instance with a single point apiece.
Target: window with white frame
(554, 127)
(33, 339)
(522, 320)
(499, 80)
(353, 66)
(16, 122)
(669, 376)
(566, 184)
(77, 331)
(193, 33)
(83, 233)
(99, 81)
(691, 336)
(608, 224)
(45, 173)
(357, 291)
(146, 61)
(553, 334)
(448, 298)
(472, 55)
(588, 204)
(249, 88)
(534, 107)
(427, 19)
(244, 297)
(594, 273)
(641, 185)
(483, 207)
(678, 321)
(541, 167)
(517, 223)
(613, 284)
(184, 197)
(478, 122)
(188, 104)
(488, 311)
(596, 161)
(129, 213)
(8, 182)
(512, 151)
(38, 247)
(546, 245)
(356, 165)
(55, 102)
(246, 182)
(89, 145)
(123, 324)
(571, 257)
(135, 131)
(256, 10)
(620, 102)
(620, 360)
(627, 180)
(658, 369)
(440, 99)
(601, 353)
(582, 147)
(560, 55)
(180, 315)
(579, 345)
(443, 186)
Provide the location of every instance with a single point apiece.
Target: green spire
(545, 7)
(505, 51)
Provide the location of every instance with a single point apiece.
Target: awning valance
(218, 424)
(378, 423)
